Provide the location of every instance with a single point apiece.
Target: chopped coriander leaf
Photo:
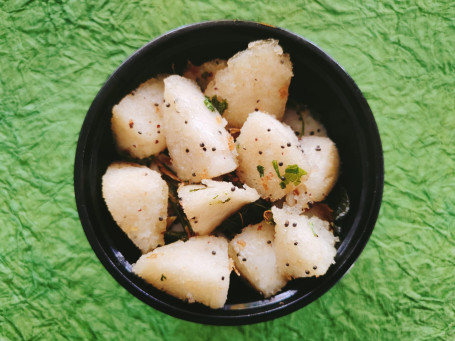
(311, 226)
(214, 103)
(197, 189)
(209, 104)
(219, 201)
(293, 173)
(163, 277)
(221, 106)
(275, 166)
(216, 196)
(260, 170)
(277, 170)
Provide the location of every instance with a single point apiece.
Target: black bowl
(318, 81)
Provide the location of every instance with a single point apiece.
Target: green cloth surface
(55, 56)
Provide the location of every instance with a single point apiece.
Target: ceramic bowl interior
(318, 82)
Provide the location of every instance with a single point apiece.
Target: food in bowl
(136, 196)
(255, 79)
(221, 150)
(196, 270)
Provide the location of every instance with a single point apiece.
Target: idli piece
(253, 252)
(204, 73)
(207, 206)
(270, 159)
(196, 270)
(305, 247)
(137, 199)
(198, 144)
(137, 120)
(256, 79)
(324, 160)
(302, 122)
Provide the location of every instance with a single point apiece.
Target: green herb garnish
(275, 166)
(221, 106)
(214, 103)
(277, 170)
(292, 174)
(197, 189)
(260, 170)
(311, 226)
(163, 277)
(208, 103)
(219, 201)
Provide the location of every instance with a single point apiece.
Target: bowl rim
(250, 316)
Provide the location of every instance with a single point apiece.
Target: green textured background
(55, 56)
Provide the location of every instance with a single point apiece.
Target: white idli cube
(207, 206)
(305, 247)
(322, 154)
(204, 73)
(137, 120)
(196, 270)
(253, 252)
(255, 79)
(263, 142)
(199, 145)
(137, 199)
(297, 118)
